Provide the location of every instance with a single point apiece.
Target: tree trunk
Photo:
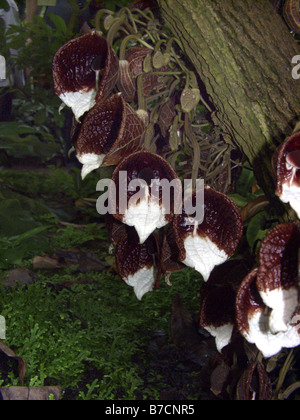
(242, 51)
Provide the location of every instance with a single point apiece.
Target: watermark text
(296, 68)
(173, 196)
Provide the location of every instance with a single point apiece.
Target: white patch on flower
(291, 194)
(283, 304)
(202, 254)
(146, 216)
(90, 162)
(142, 281)
(268, 343)
(80, 102)
(222, 335)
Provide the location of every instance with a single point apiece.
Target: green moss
(59, 330)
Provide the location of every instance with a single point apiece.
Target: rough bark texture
(242, 51)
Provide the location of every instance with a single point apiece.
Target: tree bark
(242, 51)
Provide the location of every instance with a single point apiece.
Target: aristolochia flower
(267, 304)
(111, 131)
(140, 201)
(85, 70)
(206, 244)
(287, 162)
(137, 263)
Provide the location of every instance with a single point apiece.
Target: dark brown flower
(253, 320)
(137, 263)
(217, 313)
(169, 256)
(287, 164)
(110, 132)
(277, 277)
(291, 14)
(204, 245)
(85, 70)
(132, 67)
(137, 196)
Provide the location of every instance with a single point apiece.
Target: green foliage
(14, 249)
(38, 130)
(14, 219)
(4, 5)
(262, 221)
(22, 141)
(50, 182)
(84, 336)
(112, 4)
(243, 191)
(31, 203)
(68, 237)
(37, 54)
(66, 331)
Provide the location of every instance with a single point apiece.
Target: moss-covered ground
(84, 331)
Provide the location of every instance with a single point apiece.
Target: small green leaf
(40, 117)
(4, 5)
(14, 219)
(59, 23)
(239, 200)
(245, 182)
(256, 231)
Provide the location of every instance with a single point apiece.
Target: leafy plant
(39, 129)
(14, 249)
(4, 5)
(22, 141)
(36, 44)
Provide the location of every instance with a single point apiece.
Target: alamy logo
(296, 68)
(2, 68)
(116, 198)
(2, 328)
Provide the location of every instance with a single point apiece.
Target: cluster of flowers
(90, 78)
(110, 132)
